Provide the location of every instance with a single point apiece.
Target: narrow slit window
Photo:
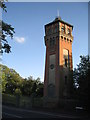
(65, 62)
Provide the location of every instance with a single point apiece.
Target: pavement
(12, 112)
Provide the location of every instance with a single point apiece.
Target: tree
(10, 79)
(3, 81)
(81, 77)
(18, 91)
(26, 87)
(5, 30)
(39, 90)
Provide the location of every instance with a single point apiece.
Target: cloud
(20, 39)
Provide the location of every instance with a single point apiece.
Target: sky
(28, 19)
(89, 28)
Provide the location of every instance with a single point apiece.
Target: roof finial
(58, 16)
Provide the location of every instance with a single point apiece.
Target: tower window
(55, 29)
(65, 57)
(68, 32)
(61, 37)
(64, 38)
(49, 31)
(70, 41)
(52, 42)
(62, 29)
(65, 62)
(65, 28)
(67, 39)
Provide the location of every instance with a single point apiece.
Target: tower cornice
(59, 20)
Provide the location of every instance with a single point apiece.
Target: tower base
(50, 102)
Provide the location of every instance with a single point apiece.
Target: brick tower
(58, 65)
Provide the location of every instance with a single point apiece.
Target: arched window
(65, 58)
(62, 37)
(62, 29)
(68, 31)
(65, 38)
(70, 41)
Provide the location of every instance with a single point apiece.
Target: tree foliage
(13, 82)
(81, 76)
(18, 91)
(2, 80)
(6, 30)
(10, 79)
(2, 5)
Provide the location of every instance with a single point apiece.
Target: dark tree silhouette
(81, 77)
(5, 30)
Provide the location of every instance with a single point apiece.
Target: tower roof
(58, 19)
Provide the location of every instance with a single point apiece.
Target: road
(11, 112)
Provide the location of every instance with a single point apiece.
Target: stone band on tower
(58, 65)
